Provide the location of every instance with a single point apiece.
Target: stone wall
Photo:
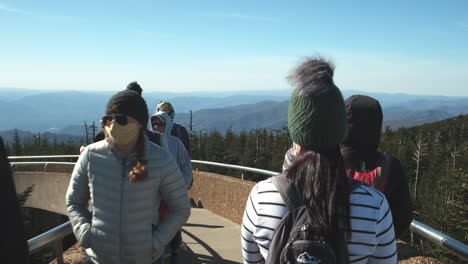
(223, 195)
(49, 189)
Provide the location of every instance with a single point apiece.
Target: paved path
(211, 239)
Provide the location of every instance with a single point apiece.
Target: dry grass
(420, 260)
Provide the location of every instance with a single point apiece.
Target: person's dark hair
(139, 173)
(318, 171)
(321, 180)
(134, 86)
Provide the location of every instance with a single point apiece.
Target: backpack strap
(179, 132)
(287, 191)
(381, 179)
(354, 184)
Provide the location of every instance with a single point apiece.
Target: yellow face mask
(122, 135)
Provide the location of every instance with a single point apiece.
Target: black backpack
(181, 133)
(297, 238)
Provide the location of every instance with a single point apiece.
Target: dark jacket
(13, 246)
(181, 133)
(359, 147)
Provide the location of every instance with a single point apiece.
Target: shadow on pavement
(190, 257)
(202, 225)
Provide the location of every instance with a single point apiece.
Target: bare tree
(94, 129)
(86, 132)
(399, 147)
(417, 157)
(448, 186)
(191, 122)
(437, 137)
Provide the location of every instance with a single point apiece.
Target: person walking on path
(125, 177)
(176, 130)
(161, 123)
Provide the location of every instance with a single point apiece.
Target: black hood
(364, 128)
(364, 122)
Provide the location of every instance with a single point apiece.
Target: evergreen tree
(16, 146)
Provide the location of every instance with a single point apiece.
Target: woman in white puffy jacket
(125, 177)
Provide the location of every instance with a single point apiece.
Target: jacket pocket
(91, 237)
(84, 239)
(156, 247)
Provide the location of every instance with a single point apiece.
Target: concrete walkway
(213, 239)
(210, 239)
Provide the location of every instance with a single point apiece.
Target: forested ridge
(435, 160)
(433, 155)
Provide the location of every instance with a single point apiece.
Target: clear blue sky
(401, 46)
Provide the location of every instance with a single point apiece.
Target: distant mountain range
(54, 110)
(273, 115)
(64, 112)
(8, 136)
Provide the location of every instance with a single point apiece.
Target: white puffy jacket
(123, 226)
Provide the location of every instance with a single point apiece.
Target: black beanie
(128, 102)
(364, 121)
(134, 86)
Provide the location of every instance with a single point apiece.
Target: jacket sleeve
(399, 198)
(174, 194)
(185, 165)
(77, 199)
(251, 250)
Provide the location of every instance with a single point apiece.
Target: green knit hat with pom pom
(317, 118)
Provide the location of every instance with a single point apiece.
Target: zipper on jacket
(121, 213)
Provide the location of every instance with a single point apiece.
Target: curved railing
(61, 231)
(56, 233)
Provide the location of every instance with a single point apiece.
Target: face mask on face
(122, 135)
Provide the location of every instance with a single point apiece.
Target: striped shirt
(372, 235)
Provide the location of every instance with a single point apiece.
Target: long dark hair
(320, 178)
(138, 172)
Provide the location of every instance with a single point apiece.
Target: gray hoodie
(177, 149)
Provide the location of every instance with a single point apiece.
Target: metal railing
(43, 157)
(59, 232)
(41, 162)
(417, 227)
(230, 166)
(440, 239)
(56, 235)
